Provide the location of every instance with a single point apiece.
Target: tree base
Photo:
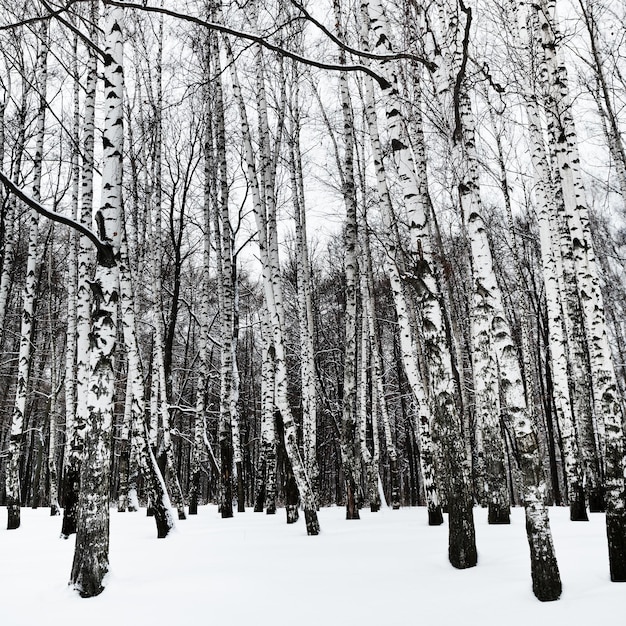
(577, 510)
(597, 503)
(543, 566)
(164, 521)
(13, 516)
(616, 538)
(70, 515)
(312, 523)
(498, 514)
(271, 509)
(292, 513)
(462, 552)
(435, 516)
(181, 513)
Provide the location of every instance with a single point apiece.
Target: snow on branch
(101, 246)
(381, 80)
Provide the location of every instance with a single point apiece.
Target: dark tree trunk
(70, 501)
(241, 490)
(616, 536)
(226, 453)
(577, 509)
(194, 493)
(292, 497)
(461, 540)
(122, 496)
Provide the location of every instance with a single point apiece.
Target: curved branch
(38, 18)
(101, 246)
(393, 56)
(381, 80)
(84, 38)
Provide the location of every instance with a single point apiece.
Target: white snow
(388, 568)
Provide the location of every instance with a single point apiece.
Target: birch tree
(75, 427)
(91, 554)
(608, 404)
(264, 212)
(442, 393)
(13, 490)
(449, 48)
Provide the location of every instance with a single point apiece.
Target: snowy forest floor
(388, 568)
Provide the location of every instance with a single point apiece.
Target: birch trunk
(162, 369)
(13, 488)
(75, 436)
(544, 569)
(72, 271)
(558, 343)
(91, 553)
(442, 394)
(378, 371)
(305, 297)
(265, 214)
(349, 433)
(573, 215)
(487, 303)
(153, 479)
(369, 459)
(608, 404)
(266, 484)
(7, 219)
(55, 388)
(203, 339)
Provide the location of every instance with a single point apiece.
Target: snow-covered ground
(388, 568)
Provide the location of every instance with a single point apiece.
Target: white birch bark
(422, 422)
(273, 299)
(369, 459)
(13, 488)
(91, 553)
(166, 446)
(203, 338)
(545, 574)
(229, 434)
(305, 305)
(487, 297)
(153, 479)
(377, 368)
(442, 383)
(349, 432)
(552, 267)
(574, 244)
(75, 435)
(70, 348)
(608, 404)
(55, 389)
(266, 482)
(9, 214)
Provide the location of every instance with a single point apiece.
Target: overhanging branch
(101, 246)
(381, 80)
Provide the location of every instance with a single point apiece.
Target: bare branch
(381, 80)
(101, 246)
(393, 56)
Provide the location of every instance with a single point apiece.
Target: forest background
(369, 253)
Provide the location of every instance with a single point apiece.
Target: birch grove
(359, 255)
